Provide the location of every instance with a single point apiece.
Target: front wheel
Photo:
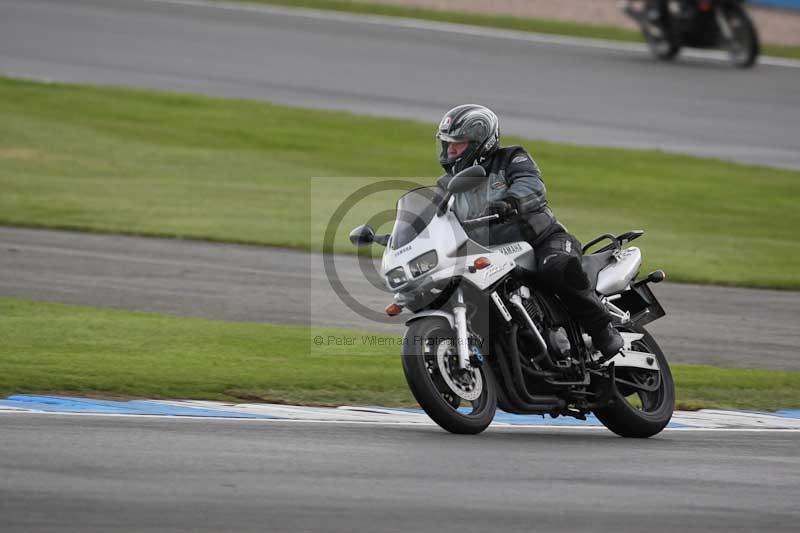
(459, 401)
(742, 42)
(645, 399)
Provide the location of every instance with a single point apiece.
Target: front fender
(433, 312)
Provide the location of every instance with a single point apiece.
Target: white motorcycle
(485, 332)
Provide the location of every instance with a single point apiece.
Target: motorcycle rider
(658, 10)
(469, 135)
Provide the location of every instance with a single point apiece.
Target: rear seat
(594, 263)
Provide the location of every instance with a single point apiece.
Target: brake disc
(466, 384)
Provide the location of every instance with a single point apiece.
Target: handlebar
(488, 219)
(481, 220)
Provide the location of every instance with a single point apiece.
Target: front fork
(724, 25)
(462, 332)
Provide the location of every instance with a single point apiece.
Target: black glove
(499, 207)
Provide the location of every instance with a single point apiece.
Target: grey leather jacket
(511, 175)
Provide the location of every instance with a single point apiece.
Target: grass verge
(155, 163)
(78, 350)
(506, 22)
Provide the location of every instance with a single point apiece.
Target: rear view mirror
(363, 235)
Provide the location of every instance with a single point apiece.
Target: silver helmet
(470, 122)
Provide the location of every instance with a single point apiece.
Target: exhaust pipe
(518, 395)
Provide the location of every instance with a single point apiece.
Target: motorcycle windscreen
(415, 210)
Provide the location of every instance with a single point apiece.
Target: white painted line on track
(462, 29)
(376, 423)
(703, 420)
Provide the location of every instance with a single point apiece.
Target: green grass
(781, 50)
(81, 350)
(54, 348)
(506, 22)
(153, 163)
(701, 386)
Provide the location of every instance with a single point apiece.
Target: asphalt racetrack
(712, 325)
(550, 88)
(97, 473)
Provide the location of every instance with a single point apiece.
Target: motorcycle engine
(558, 343)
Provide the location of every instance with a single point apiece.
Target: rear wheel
(660, 37)
(459, 401)
(645, 399)
(662, 47)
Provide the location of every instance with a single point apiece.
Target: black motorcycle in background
(669, 25)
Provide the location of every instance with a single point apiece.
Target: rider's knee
(564, 272)
(574, 275)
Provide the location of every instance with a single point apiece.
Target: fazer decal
(492, 271)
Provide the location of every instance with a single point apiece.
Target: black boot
(608, 341)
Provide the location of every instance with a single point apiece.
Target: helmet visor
(443, 142)
(450, 138)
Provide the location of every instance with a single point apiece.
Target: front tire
(634, 413)
(431, 370)
(744, 46)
